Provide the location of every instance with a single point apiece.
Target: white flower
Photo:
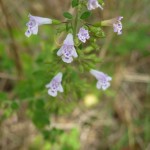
(33, 24)
(92, 4)
(67, 51)
(55, 85)
(117, 25)
(83, 35)
(103, 79)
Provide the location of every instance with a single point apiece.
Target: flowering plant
(78, 33)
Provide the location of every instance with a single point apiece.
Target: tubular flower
(68, 51)
(118, 25)
(33, 24)
(55, 85)
(103, 79)
(83, 35)
(93, 4)
(115, 22)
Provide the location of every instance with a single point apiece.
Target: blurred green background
(81, 118)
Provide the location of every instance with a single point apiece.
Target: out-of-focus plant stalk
(13, 43)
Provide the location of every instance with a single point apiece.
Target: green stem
(76, 22)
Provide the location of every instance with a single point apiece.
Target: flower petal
(48, 85)
(105, 86)
(100, 6)
(52, 93)
(96, 73)
(58, 77)
(74, 54)
(60, 88)
(119, 32)
(109, 78)
(69, 40)
(120, 18)
(98, 85)
(34, 30)
(59, 52)
(67, 59)
(41, 20)
(93, 4)
(28, 33)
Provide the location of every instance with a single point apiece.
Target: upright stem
(76, 22)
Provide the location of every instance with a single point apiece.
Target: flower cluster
(68, 52)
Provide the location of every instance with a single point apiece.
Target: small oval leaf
(75, 3)
(85, 15)
(67, 15)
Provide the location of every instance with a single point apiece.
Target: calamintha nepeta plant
(79, 31)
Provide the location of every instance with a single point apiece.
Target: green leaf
(14, 105)
(40, 118)
(85, 15)
(67, 15)
(39, 104)
(75, 3)
(80, 46)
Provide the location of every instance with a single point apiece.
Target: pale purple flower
(103, 79)
(33, 24)
(83, 35)
(118, 25)
(115, 22)
(68, 51)
(55, 85)
(93, 4)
